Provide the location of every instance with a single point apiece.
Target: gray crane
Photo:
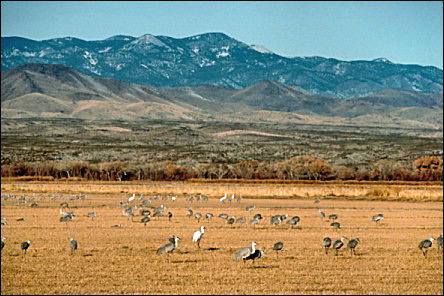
(439, 242)
(231, 220)
(144, 212)
(338, 245)
(250, 207)
(425, 244)
(223, 216)
(169, 247)
(91, 215)
(248, 253)
(377, 218)
(351, 245)
(208, 216)
(278, 247)
(145, 220)
(336, 225)
(333, 217)
(258, 216)
(198, 216)
(241, 220)
(3, 242)
(24, 246)
(66, 218)
(321, 214)
(73, 245)
(327, 244)
(170, 215)
(254, 221)
(276, 219)
(189, 213)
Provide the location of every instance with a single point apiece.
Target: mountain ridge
(216, 59)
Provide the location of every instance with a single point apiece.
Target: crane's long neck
(202, 230)
(253, 249)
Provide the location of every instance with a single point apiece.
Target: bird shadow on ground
(263, 266)
(183, 261)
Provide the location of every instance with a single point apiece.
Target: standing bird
(377, 218)
(239, 199)
(333, 217)
(425, 244)
(327, 244)
(73, 245)
(277, 247)
(198, 216)
(145, 220)
(351, 245)
(254, 221)
(338, 244)
(248, 253)
(3, 242)
(189, 213)
(170, 215)
(170, 247)
(208, 216)
(241, 220)
(223, 198)
(250, 207)
(24, 246)
(92, 215)
(438, 242)
(197, 236)
(336, 225)
(231, 220)
(321, 214)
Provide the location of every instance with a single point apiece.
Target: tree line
(426, 168)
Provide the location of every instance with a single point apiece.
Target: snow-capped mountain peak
(260, 49)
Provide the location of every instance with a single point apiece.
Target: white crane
(223, 198)
(132, 197)
(197, 236)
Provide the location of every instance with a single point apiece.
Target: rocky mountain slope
(219, 60)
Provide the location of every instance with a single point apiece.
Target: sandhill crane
(223, 216)
(258, 216)
(276, 219)
(128, 212)
(250, 207)
(145, 220)
(254, 221)
(3, 242)
(170, 215)
(327, 244)
(170, 247)
(198, 216)
(24, 246)
(336, 225)
(351, 245)
(277, 247)
(333, 217)
(439, 242)
(425, 244)
(377, 218)
(189, 213)
(338, 244)
(321, 214)
(294, 222)
(144, 212)
(245, 253)
(317, 200)
(197, 236)
(92, 215)
(241, 220)
(239, 199)
(73, 245)
(231, 220)
(66, 218)
(208, 216)
(223, 198)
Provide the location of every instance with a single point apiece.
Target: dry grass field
(123, 260)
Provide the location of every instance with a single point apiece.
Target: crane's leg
(198, 244)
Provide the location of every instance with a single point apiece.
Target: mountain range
(58, 91)
(217, 59)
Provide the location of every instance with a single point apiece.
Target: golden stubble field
(124, 261)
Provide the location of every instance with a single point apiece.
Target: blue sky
(407, 32)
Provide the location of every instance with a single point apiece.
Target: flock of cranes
(244, 254)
